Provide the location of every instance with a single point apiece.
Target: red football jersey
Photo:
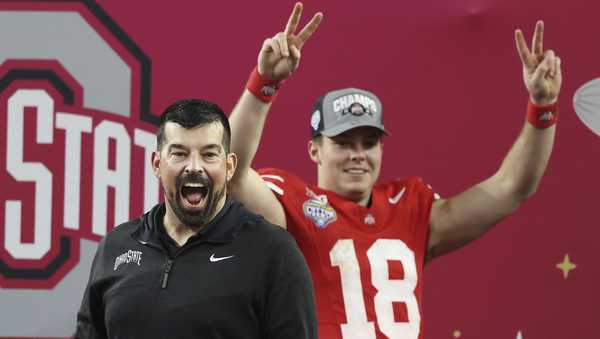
(366, 262)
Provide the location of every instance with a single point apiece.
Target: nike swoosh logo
(397, 197)
(215, 259)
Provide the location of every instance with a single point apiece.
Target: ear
(231, 165)
(155, 162)
(313, 152)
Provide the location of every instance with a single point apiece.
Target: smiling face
(193, 168)
(349, 163)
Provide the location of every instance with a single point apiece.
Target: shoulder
(410, 185)
(277, 245)
(125, 228)
(120, 234)
(271, 245)
(266, 232)
(280, 180)
(113, 244)
(254, 227)
(275, 173)
(412, 192)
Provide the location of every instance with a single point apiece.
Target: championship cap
(344, 109)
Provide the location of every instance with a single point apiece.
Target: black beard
(196, 219)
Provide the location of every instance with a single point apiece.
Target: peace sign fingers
(537, 43)
(309, 29)
(541, 69)
(280, 55)
(527, 58)
(531, 58)
(292, 23)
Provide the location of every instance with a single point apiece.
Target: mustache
(194, 178)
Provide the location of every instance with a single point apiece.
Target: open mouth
(194, 193)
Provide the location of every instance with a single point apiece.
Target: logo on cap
(357, 104)
(345, 109)
(315, 119)
(356, 109)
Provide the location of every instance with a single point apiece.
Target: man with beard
(198, 265)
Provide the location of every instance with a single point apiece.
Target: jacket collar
(222, 229)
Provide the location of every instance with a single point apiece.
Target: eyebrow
(177, 146)
(207, 147)
(212, 146)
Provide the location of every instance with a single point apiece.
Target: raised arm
(466, 216)
(278, 58)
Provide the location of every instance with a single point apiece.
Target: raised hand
(279, 56)
(541, 69)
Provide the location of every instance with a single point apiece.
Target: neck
(176, 229)
(355, 197)
(358, 198)
(365, 200)
(181, 232)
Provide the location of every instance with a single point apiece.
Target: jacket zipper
(165, 279)
(168, 265)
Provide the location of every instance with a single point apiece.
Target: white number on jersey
(343, 255)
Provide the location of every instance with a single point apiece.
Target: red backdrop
(450, 80)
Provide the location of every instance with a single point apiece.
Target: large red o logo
(75, 143)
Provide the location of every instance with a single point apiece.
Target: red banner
(81, 85)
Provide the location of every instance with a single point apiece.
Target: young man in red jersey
(353, 231)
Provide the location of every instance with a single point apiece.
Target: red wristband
(542, 116)
(263, 89)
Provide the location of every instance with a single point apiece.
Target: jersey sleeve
(281, 182)
(420, 198)
(289, 189)
(425, 196)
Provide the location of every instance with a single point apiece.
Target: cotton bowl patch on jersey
(319, 211)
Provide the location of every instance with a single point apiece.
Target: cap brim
(332, 132)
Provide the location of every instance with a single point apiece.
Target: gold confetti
(566, 266)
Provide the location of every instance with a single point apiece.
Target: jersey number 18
(343, 255)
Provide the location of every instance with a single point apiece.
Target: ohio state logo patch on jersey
(318, 210)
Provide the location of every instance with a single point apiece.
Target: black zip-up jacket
(240, 277)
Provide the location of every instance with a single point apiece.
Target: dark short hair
(317, 138)
(190, 113)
